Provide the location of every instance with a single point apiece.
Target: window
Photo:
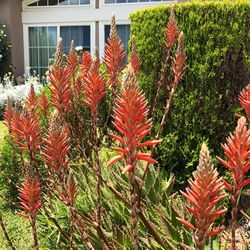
(132, 1)
(123, 31)
(59, 2)
(43, 42)
(80, 35)
(42, 46)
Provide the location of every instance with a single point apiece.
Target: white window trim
(26, 36)
(26, 3)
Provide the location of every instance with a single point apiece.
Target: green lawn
(3, 132)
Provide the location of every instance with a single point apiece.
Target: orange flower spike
(244, 99)
(72, 59)
(55, 149)
(203, 195)
(172, 31)
(61, 97)
(59, 60)
(44, 104)
(30, 196)
(114, 55)
(32, 100)
(180, 58)
(27, 132)
(86, 63)
(93, 87)
(130, 120)
(237, 151)
(134, 57)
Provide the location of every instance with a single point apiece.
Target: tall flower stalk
(114, 55)
(93, 93)
(30, 198)
(237, 151)
(203, 195)
(130, 120)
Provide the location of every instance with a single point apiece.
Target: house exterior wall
(97, 14)
(10, 15)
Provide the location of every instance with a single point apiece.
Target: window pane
(63, 2)
(143, 0)
(53, 2)
(86, 36)
(42, 36)
(52, 36)
(73, 2)
(79, 34)
(109, 1)
(43, 57)
(42, 44)
(42, 3)
(33, 4)
(33, 37)
(106, 32)
(75, 35)
(132, 1)
(33, 57)
(65, 35)
(121, 1)
(84, 2)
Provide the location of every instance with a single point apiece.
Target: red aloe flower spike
(172, 31)
(86, 63)
(203, 195)
(58, 62)
(31, 202)
(237, 151)
(72, 59)
(93, 87)
(32, 100)
(61, 91)
(8, 114)
(114, 55)
(55, 149)
(27, 132)
(44, 104)
(180, 58)
(30, 196)
(134, 57)
(130, 120)
(244, 99)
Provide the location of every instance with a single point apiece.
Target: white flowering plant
(16, 93)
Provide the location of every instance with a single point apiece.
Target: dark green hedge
(217, 37)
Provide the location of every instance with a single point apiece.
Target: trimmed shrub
(217, 42)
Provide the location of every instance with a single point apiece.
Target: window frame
(26, 36)
(26, 5)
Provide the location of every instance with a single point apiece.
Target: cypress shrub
(217, 44)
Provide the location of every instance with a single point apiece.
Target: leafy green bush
(217, 42)
(4, 46)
